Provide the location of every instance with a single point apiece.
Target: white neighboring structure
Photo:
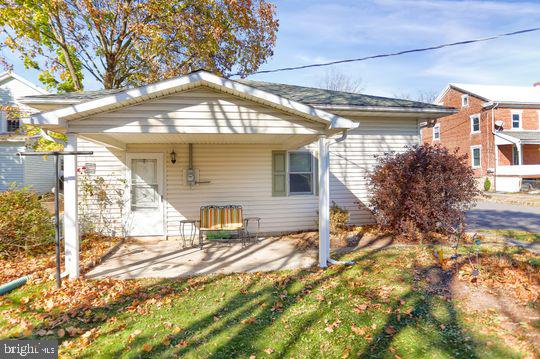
(275, 149)
(34, 172)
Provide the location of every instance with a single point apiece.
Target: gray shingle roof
(75, 96)
(316, 96)
(306, 95)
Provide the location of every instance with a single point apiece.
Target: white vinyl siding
(11, 165)
(12, 89)
(109, 165)
(238, 174)
(352, 160)
(242, 174)
(200, 111)
(37, 173)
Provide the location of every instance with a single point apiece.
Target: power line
(483, 39)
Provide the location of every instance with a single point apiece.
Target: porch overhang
(58, 119)
(120, 141)
(517, 138)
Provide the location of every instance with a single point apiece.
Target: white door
(145, 178)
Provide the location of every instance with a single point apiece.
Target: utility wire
(482, 39)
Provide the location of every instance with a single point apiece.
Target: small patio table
(246, 225)
(192, 232)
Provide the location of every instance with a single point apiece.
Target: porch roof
(58, 119)
(517, 137)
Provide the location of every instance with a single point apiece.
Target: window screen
(300, 172)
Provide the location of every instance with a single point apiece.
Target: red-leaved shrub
(425, 189)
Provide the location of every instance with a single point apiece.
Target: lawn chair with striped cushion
(223, 218)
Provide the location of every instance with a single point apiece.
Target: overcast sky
(322, 30)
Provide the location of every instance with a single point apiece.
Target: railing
(521, 170)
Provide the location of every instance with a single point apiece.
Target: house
(36, 173)
(283, 152)
(498, 127)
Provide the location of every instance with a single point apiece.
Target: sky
(327, 30)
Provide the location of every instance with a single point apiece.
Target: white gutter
(495, 147)
(385, 109)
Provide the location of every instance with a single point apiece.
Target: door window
(144, 184)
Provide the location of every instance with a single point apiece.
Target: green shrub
(25, 226)
(487, 185)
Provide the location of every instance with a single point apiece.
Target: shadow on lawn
(267, 306)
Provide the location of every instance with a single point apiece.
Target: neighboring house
(497, 126)
(34, 172)
(268, 147)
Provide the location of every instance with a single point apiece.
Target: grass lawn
(515, 234)
(392, 303)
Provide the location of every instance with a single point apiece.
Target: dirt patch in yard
(503, 287)
(520, 320)
(502, 315)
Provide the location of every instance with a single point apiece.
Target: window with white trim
(300, 172)
(464, 100)
(475, 123)
(437, 132)
(516, 120)
(476, 156)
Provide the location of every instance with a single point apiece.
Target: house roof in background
(9, 74)
(306, 95)
(498, 93)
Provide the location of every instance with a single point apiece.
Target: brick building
(497, 126)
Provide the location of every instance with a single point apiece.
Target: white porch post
(324, 202)
(71, 224)
(520, 148)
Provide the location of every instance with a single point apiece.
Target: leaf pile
(509, 273)
(41, 266)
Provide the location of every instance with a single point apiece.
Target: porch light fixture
(173, 157)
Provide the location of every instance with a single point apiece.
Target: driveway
(491, 215)
(167, 259)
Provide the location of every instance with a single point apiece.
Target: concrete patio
(167, 259)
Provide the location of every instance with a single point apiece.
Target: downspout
(495, 149)
(342, 138)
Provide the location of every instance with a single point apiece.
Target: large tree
(133, 42)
